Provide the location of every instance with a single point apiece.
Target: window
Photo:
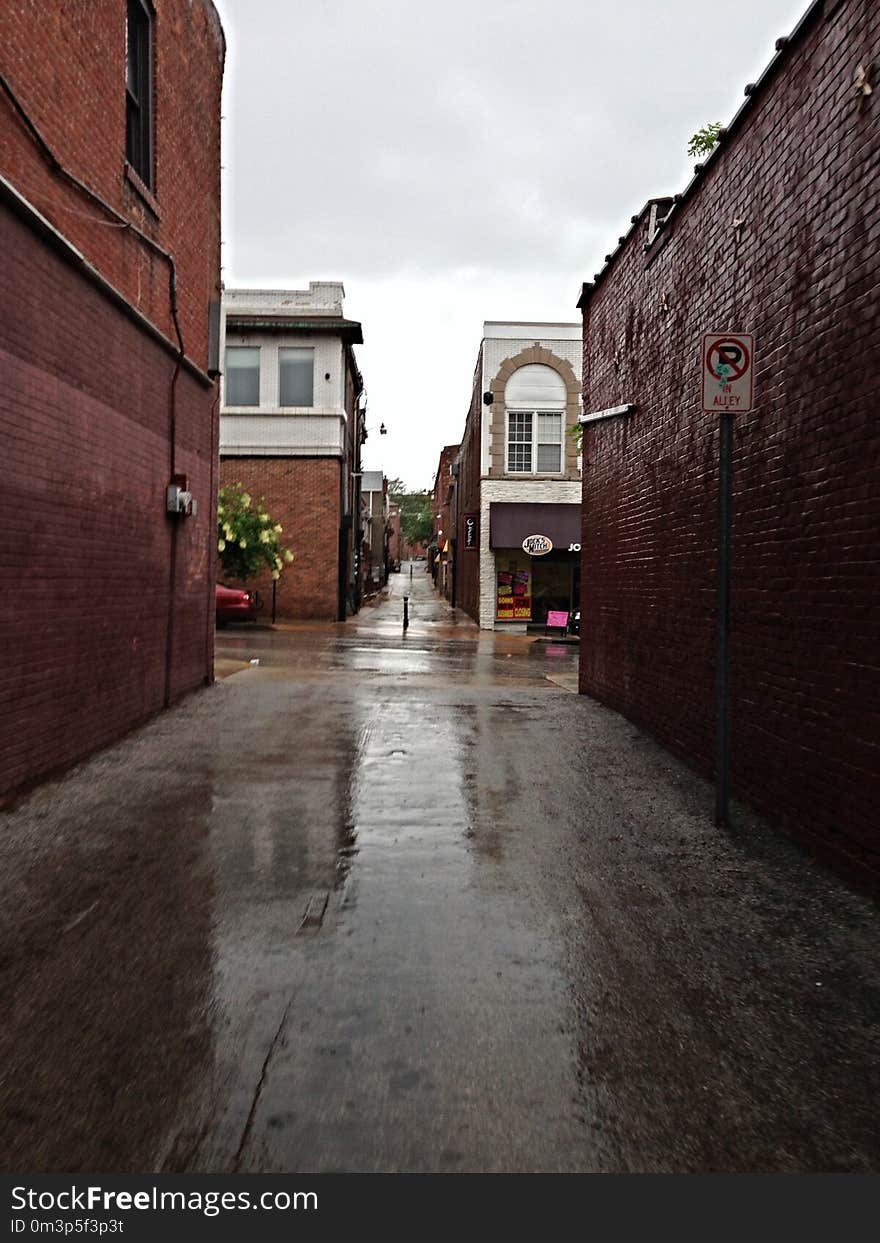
(242, 376)
(519, 441)
(534, 442)
(535, 398)
(296, 377)
(138, 90)
(549, 443)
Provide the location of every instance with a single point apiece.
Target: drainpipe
(172, 440)
(210, 620)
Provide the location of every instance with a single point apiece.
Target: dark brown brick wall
(86, 544)
(303, 494)
(800, 270)
(85, 402)
(467, 501)
(443, 532)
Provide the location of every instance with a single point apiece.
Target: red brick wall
(467, 501)
(443, 532)
(84, 408)
(303, 494)
(802, 175)
(85, 402)
(66, 65)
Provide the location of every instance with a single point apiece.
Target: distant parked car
(233, 604)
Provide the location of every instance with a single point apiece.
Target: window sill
(286, 412)
(558, 476)
(142, 190)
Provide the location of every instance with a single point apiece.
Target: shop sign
(471, 531)
(514, 598)
(537, 545)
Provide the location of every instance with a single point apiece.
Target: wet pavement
(404, 902)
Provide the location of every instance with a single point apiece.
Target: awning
(510, 524)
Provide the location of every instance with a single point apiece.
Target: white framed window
(534, 442)
(296, 376)
(242, 376)
(534, 399)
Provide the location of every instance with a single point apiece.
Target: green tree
(416, 516)
(705, 139)
(248, 541)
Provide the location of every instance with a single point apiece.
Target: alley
(392, 901)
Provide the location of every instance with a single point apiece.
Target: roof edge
(753, 90)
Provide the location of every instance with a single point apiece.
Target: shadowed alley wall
(780, 237)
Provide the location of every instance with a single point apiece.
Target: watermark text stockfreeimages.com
(209, 1203)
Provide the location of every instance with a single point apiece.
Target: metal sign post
(722, 623)
(727, 366)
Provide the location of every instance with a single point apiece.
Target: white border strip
(611, 413)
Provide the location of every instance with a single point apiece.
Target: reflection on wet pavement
(401, 901)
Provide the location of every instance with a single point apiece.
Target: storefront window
(514, 587)
(528, 588)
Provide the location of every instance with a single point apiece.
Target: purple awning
(510, 524)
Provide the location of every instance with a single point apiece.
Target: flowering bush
(247, 539)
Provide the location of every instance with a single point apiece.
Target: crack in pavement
(258, 1091)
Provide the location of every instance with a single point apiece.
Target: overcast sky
(461, 161)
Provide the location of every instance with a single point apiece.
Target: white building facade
(283, 391)
(292, 422)
(529, 379)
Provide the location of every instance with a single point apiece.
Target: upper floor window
(296, 367)
(535, 398)
(242, 380)
(139, 90)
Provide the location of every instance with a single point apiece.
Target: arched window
(534, 400)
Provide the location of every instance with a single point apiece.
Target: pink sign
(557, 620)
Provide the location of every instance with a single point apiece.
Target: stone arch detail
(534, 354)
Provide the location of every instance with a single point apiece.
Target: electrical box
(179, 501)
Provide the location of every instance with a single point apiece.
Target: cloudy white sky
(459, 161)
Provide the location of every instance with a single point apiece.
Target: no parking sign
(728, 367)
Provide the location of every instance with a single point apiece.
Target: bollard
(406, 612)
(410, 569)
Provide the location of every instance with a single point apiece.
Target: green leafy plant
(705, 139)
(248, 541)
(576, 432)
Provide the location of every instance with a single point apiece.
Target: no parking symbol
(728, 367)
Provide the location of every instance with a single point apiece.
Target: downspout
(172, 449)
(212, 547)
(342, 569)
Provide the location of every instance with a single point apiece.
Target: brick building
(109, 290)
(395, 535)
(519, 476)
(291, 431)
(777, 235)
(444, 524)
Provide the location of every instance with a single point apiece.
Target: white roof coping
(525, 330)
(321, 298)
